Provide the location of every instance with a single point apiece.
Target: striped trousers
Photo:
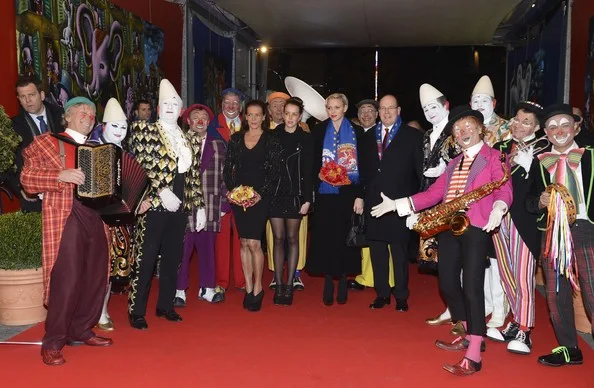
(517, 268)
(561, 302)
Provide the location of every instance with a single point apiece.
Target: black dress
(257, 167)
(328, 253)
(294, 184)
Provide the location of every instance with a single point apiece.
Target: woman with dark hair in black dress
(253, 159)
(292, 198)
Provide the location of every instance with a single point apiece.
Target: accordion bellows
(114, 182)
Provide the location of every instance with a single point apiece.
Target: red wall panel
(583, 10)
(8, 64)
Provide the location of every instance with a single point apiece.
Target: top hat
(460, 112)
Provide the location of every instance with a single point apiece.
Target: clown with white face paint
(438, 149)
(567, 164)
(166, 154)
(483, 100)
(113, 130)
(115, 124)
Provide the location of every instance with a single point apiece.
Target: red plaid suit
(42, 165)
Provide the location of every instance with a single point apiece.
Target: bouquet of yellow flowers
(334, 174)
(244, 196)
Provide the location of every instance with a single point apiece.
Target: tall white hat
(167, 91)
(113, 112)
(428, 93)
(484, 86)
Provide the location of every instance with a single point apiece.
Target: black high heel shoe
(328, 296)
(247, 299)
(341, 297)
(279, 293)
(288, 296)
(256, 303)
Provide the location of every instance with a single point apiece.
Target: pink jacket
(485, 168)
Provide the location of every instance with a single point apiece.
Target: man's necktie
(232, 127)
(556, 165)
(42, 125)
(386, 137)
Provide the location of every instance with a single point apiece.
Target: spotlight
(263, 49)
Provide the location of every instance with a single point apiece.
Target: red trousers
(227, 251)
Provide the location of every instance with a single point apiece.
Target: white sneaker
(180, 294)
(210, 295)
(180, 298)
(495, 334)
(522, 344)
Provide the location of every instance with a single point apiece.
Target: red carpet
(306, 345)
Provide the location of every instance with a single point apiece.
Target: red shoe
(459, 343)
(52, 357)
(464, 367)
(93, 341)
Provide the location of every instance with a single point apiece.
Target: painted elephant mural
(102, 51)
(88, 47)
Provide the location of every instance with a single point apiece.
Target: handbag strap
(358, 220)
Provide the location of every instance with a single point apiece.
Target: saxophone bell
(459, 223)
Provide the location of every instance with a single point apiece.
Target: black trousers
(78, 280)
(380, 260)
(158, 232)
(467, 252)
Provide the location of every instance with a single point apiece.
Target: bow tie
(549, 159)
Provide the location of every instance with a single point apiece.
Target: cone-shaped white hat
(113, 112)
(484, 86)
(428, 93)
(167, 91)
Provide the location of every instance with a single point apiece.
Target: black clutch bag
(356, 236)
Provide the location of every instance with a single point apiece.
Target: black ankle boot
(288, 296)
(341, 297)
(256, 303)
(247, 299)
(279, 293)
(328, 297)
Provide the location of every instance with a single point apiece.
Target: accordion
(115, 183)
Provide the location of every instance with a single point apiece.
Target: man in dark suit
(35, 118)
(392, 166)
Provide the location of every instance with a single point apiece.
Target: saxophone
(452, 215)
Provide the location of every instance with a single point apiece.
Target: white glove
(200, 219)
(524, 158)
(223, 214)
(436, 171)
(170, 200)
(389, 205)
(412, 220)
(499, 210)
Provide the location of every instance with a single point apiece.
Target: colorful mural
(88, 48)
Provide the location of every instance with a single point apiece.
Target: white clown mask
(435, 112)
(484, 104)
(169, 110)
(115, 132)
